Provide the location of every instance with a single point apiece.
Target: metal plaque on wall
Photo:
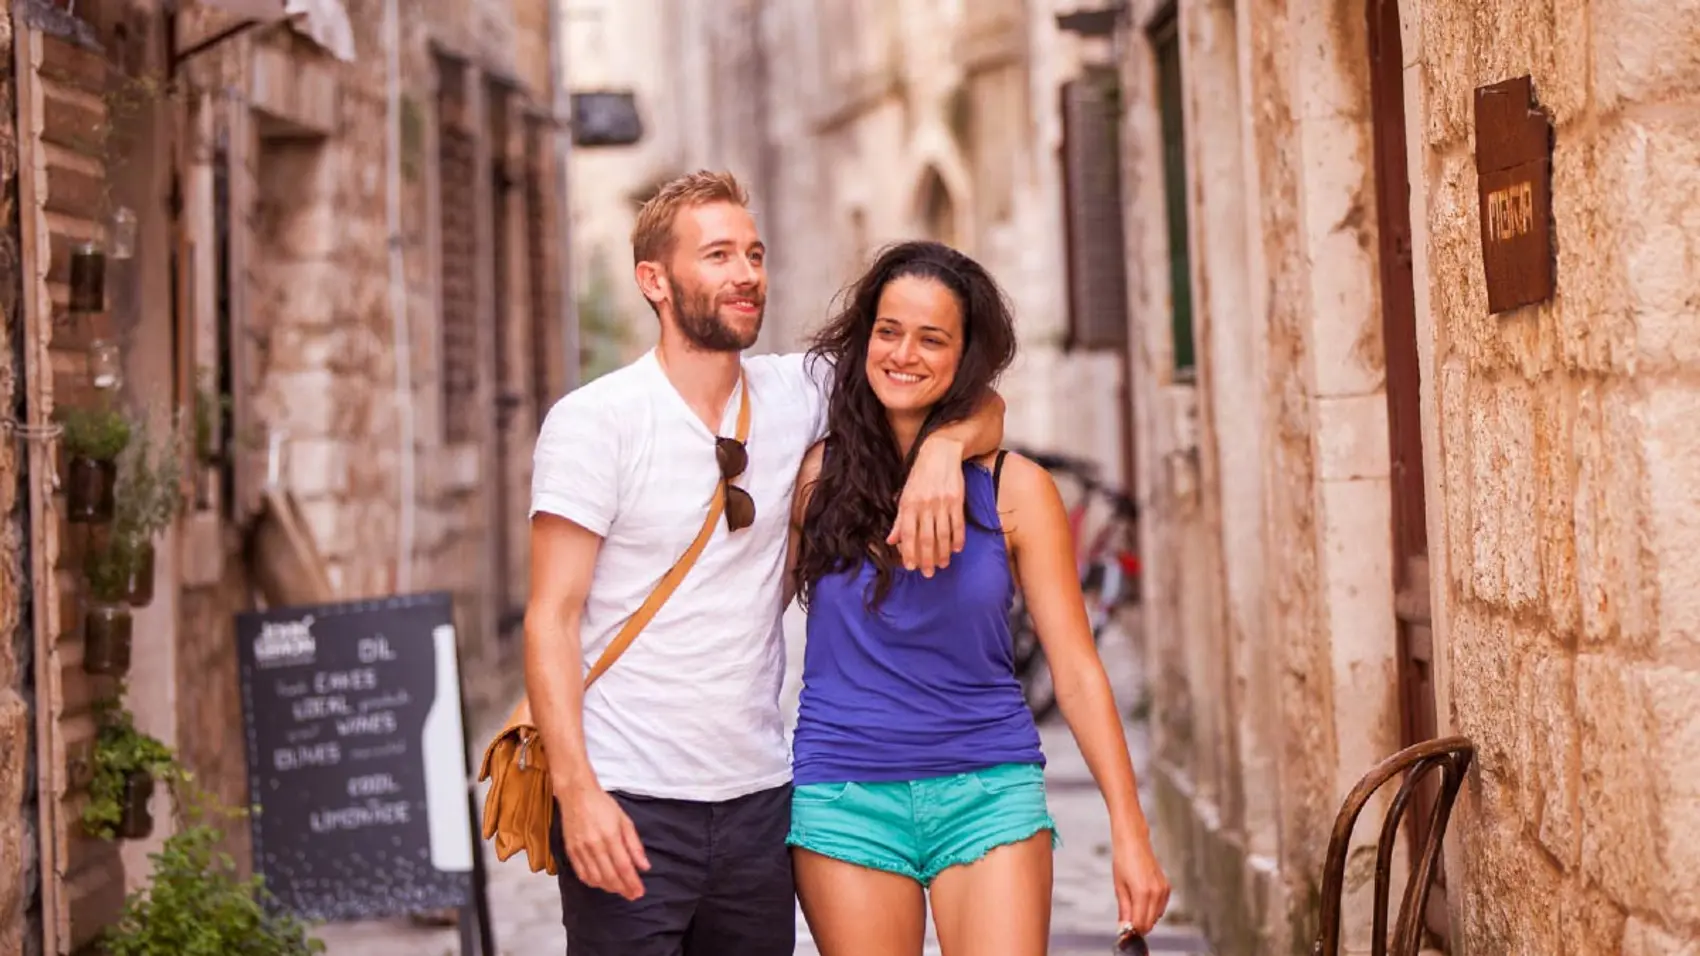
(1514, 139)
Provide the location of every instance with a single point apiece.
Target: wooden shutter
(543, 343)
(1096, 250)
(457, 203)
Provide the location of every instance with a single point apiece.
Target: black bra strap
(997, 470)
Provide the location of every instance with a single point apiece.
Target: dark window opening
(1165, 41)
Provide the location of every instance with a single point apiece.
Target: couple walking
(863, 478)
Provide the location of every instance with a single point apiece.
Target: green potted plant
(109, 568)
(127, 764)
(149, 498)
(211, 407)
(197, 904)
(94, 438)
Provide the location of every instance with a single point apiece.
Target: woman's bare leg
(857, 911)
(999, 905)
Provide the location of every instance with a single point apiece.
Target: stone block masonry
(18, 832)
(1571, 501)
(1561, 457)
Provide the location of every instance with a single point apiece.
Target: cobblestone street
(527, 910)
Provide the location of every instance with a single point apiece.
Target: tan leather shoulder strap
(677, 572)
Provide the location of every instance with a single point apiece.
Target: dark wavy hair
(854, 501)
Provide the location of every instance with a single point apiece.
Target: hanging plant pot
(106, 639)
(88, 489)
(137, 821)
(138, 591)
(88, 278)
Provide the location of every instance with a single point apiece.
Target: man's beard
(700, 321)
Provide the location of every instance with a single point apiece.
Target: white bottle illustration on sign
(442, 746)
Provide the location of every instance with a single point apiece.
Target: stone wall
(1268, 619)
(325, 364)
(1560, 462)
(20, 926)
(1568, 497)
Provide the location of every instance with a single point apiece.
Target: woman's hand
(1142, 891)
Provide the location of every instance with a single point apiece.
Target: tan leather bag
(519, 807)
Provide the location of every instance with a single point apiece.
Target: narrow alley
(1367, 329)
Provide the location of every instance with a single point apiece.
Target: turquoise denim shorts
(918, 828)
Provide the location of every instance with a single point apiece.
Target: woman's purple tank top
(924, 685)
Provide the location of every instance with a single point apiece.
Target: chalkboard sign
(356, 757)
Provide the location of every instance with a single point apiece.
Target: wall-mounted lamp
(606, 118)
(1101, 22)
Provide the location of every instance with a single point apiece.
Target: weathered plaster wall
(1568, 497)
(20, 928)
(1271, 632)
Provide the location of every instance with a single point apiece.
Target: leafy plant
(603, 333)
(149, 497)
(119, 751)
(99, 433)
(108, 567)
(150, 485)
(197, 904)
(210, 405)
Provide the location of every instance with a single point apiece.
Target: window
(1165, 41)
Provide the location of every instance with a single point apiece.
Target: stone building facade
(19, 922)
(1380, 512)
(855, 124)
(348, 263)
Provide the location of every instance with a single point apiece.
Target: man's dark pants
(719, 882)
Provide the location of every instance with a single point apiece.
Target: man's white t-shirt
(691, 710)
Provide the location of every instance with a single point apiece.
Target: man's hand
(930, 525)
(601, 842)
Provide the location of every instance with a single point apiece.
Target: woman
(917, 764)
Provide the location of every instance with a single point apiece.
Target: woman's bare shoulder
(1020, 473)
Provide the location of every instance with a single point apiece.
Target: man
(671, 776)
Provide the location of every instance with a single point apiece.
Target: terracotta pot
(139, 592)
(137, 821)
(88, 490)
(106, 639)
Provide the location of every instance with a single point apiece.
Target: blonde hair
(652, 234)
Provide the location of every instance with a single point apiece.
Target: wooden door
(1399, 333)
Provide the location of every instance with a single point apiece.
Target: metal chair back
(1450, 757)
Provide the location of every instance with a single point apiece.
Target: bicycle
(1108, 565)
